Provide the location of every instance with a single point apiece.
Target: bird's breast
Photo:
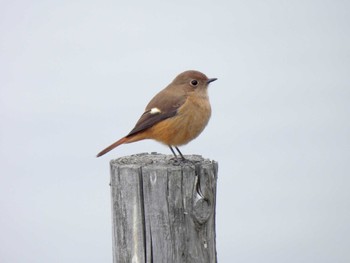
(187, 124)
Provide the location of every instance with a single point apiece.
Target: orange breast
(191, 119)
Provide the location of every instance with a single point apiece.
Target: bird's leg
(172, 150)
(176, 158)
(183, 158)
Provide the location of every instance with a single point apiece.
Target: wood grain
(162, 210)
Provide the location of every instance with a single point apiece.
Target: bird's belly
(184, 126)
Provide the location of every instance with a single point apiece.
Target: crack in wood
(151, 244)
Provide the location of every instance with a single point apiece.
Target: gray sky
(76, 75)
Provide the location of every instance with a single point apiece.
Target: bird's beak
(211, 80)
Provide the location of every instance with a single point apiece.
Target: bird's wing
(163, 106)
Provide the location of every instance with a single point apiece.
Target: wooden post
(163, 211)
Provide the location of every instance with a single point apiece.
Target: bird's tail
(112, 146)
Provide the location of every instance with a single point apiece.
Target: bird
(175, 116)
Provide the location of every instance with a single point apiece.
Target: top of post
(156, 159)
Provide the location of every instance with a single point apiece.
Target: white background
(76, 75)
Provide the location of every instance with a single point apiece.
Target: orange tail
(111, 147)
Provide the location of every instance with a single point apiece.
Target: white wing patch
(155, 111)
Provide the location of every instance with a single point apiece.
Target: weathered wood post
(163, 211)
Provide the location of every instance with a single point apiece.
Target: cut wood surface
(163, 210)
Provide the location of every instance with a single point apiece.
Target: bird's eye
(194, 83)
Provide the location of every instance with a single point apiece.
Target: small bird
(176, 115)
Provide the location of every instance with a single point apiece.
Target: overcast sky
(76, 75)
